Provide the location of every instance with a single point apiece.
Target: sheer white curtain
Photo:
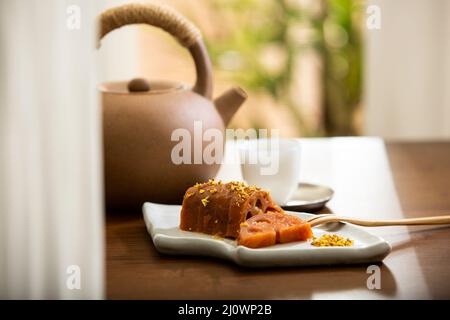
(408, 70)
(51, 220)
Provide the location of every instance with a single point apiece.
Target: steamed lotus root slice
(219, 208)
(292, 229)
(258, 232)
(269, 228)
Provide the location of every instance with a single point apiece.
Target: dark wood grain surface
(418, 266)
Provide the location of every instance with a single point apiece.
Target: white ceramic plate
(162, 223)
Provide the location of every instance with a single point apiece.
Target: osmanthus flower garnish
(332, 240)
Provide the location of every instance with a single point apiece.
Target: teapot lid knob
(138, 85)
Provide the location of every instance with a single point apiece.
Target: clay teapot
(140, 117)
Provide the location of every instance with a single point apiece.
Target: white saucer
(309, 198)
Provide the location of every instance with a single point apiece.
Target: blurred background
(311, 67)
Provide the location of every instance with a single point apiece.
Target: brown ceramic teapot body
(140, 118)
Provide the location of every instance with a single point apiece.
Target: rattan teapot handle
(166, 18)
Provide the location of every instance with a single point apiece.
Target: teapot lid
(141, 86)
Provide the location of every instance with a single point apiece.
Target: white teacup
(272, 164)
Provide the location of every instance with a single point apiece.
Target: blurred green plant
(284, 29)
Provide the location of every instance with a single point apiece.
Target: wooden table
(418, 266)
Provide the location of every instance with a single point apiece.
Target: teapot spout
(229, 102)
